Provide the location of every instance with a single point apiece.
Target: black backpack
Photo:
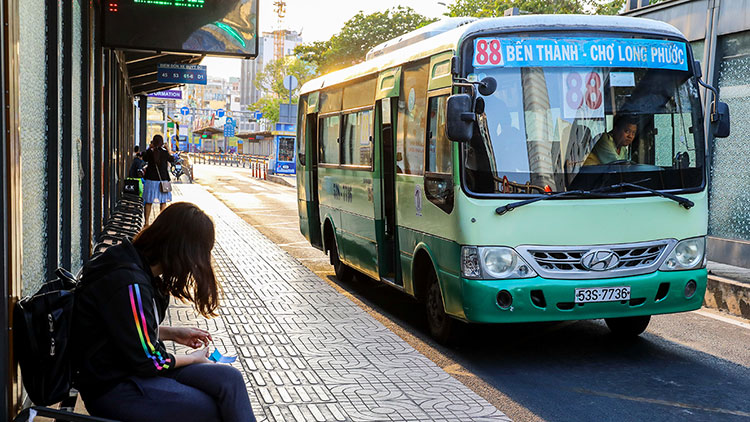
(41, 332)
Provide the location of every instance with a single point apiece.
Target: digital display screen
(212, 27)
(178, 3)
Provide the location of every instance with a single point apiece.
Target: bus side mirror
(720, 120)
(459, 124)
(697, 69)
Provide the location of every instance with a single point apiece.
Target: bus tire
(441, 325)
(628, 326)
(343, 272)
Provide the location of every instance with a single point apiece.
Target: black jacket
(136, 169)
(157, 157)
(116, 321)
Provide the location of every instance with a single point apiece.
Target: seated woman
(613, 146)
(121, 365)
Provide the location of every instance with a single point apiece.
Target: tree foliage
(271, 79)
(271, 82)
(360, 34)
(491, 8)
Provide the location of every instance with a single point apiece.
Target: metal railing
(258, 164)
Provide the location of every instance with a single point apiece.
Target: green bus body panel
(444, 255)
(440, 71)
(347, 195)
(480, 303)
(580, 221)
(389, 84)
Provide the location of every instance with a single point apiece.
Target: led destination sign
(579, 52)
(212, 27)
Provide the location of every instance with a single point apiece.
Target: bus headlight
(493, 263)
(687, 255)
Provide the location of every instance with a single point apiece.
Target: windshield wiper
(684, 202)
(599, 193)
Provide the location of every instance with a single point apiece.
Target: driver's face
(625, 134)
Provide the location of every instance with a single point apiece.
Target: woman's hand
(186, 336)
(200, 356)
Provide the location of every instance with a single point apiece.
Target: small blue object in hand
(217, 357)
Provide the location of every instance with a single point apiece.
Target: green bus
(515, 169)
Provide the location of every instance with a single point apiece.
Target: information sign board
(181, 74)
(169, 94)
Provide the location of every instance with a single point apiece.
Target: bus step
(391, 281)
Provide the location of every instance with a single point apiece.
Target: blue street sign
(181, 74)
(229, 130)
(220, 113)
(230, 121)
(258, 115)
(185, 111)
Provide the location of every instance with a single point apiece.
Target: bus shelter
(75, 83)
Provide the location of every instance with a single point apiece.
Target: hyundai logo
(600, 260)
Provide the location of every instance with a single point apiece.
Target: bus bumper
(480, 297)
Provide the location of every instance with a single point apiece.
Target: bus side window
(412, 120)
(329, 140)
(439, 158)
(357, 139)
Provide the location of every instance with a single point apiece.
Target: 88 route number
(583, 94)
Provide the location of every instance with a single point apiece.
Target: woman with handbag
(156, 184)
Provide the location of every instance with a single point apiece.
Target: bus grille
(567, 261)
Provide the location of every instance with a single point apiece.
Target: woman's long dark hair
(180, 240)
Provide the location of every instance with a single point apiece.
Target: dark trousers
(208, 392)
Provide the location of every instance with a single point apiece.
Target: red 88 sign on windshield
(488, 52)
(583, 94)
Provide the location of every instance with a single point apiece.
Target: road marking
(663, 402)
(722, 318)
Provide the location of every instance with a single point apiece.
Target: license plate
(602, 294)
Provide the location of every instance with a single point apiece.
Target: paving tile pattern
(307, 352)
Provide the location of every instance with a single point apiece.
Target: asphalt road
(686, 367)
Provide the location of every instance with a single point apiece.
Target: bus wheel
(343, 272)
(441, 325)
(628, 326)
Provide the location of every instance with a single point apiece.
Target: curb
(728, 295)
(280, 180)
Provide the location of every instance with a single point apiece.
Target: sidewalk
(307, 352)
(728, 289)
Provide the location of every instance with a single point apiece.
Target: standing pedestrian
(136, 168)
(156, 157)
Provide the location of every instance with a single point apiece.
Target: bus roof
(450, 40)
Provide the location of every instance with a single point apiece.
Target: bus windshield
(557, 126)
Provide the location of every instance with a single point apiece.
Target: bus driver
(613, 146)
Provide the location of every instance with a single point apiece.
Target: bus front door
(390, 270)
(311, 185)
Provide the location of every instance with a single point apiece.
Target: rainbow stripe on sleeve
(140, 325)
